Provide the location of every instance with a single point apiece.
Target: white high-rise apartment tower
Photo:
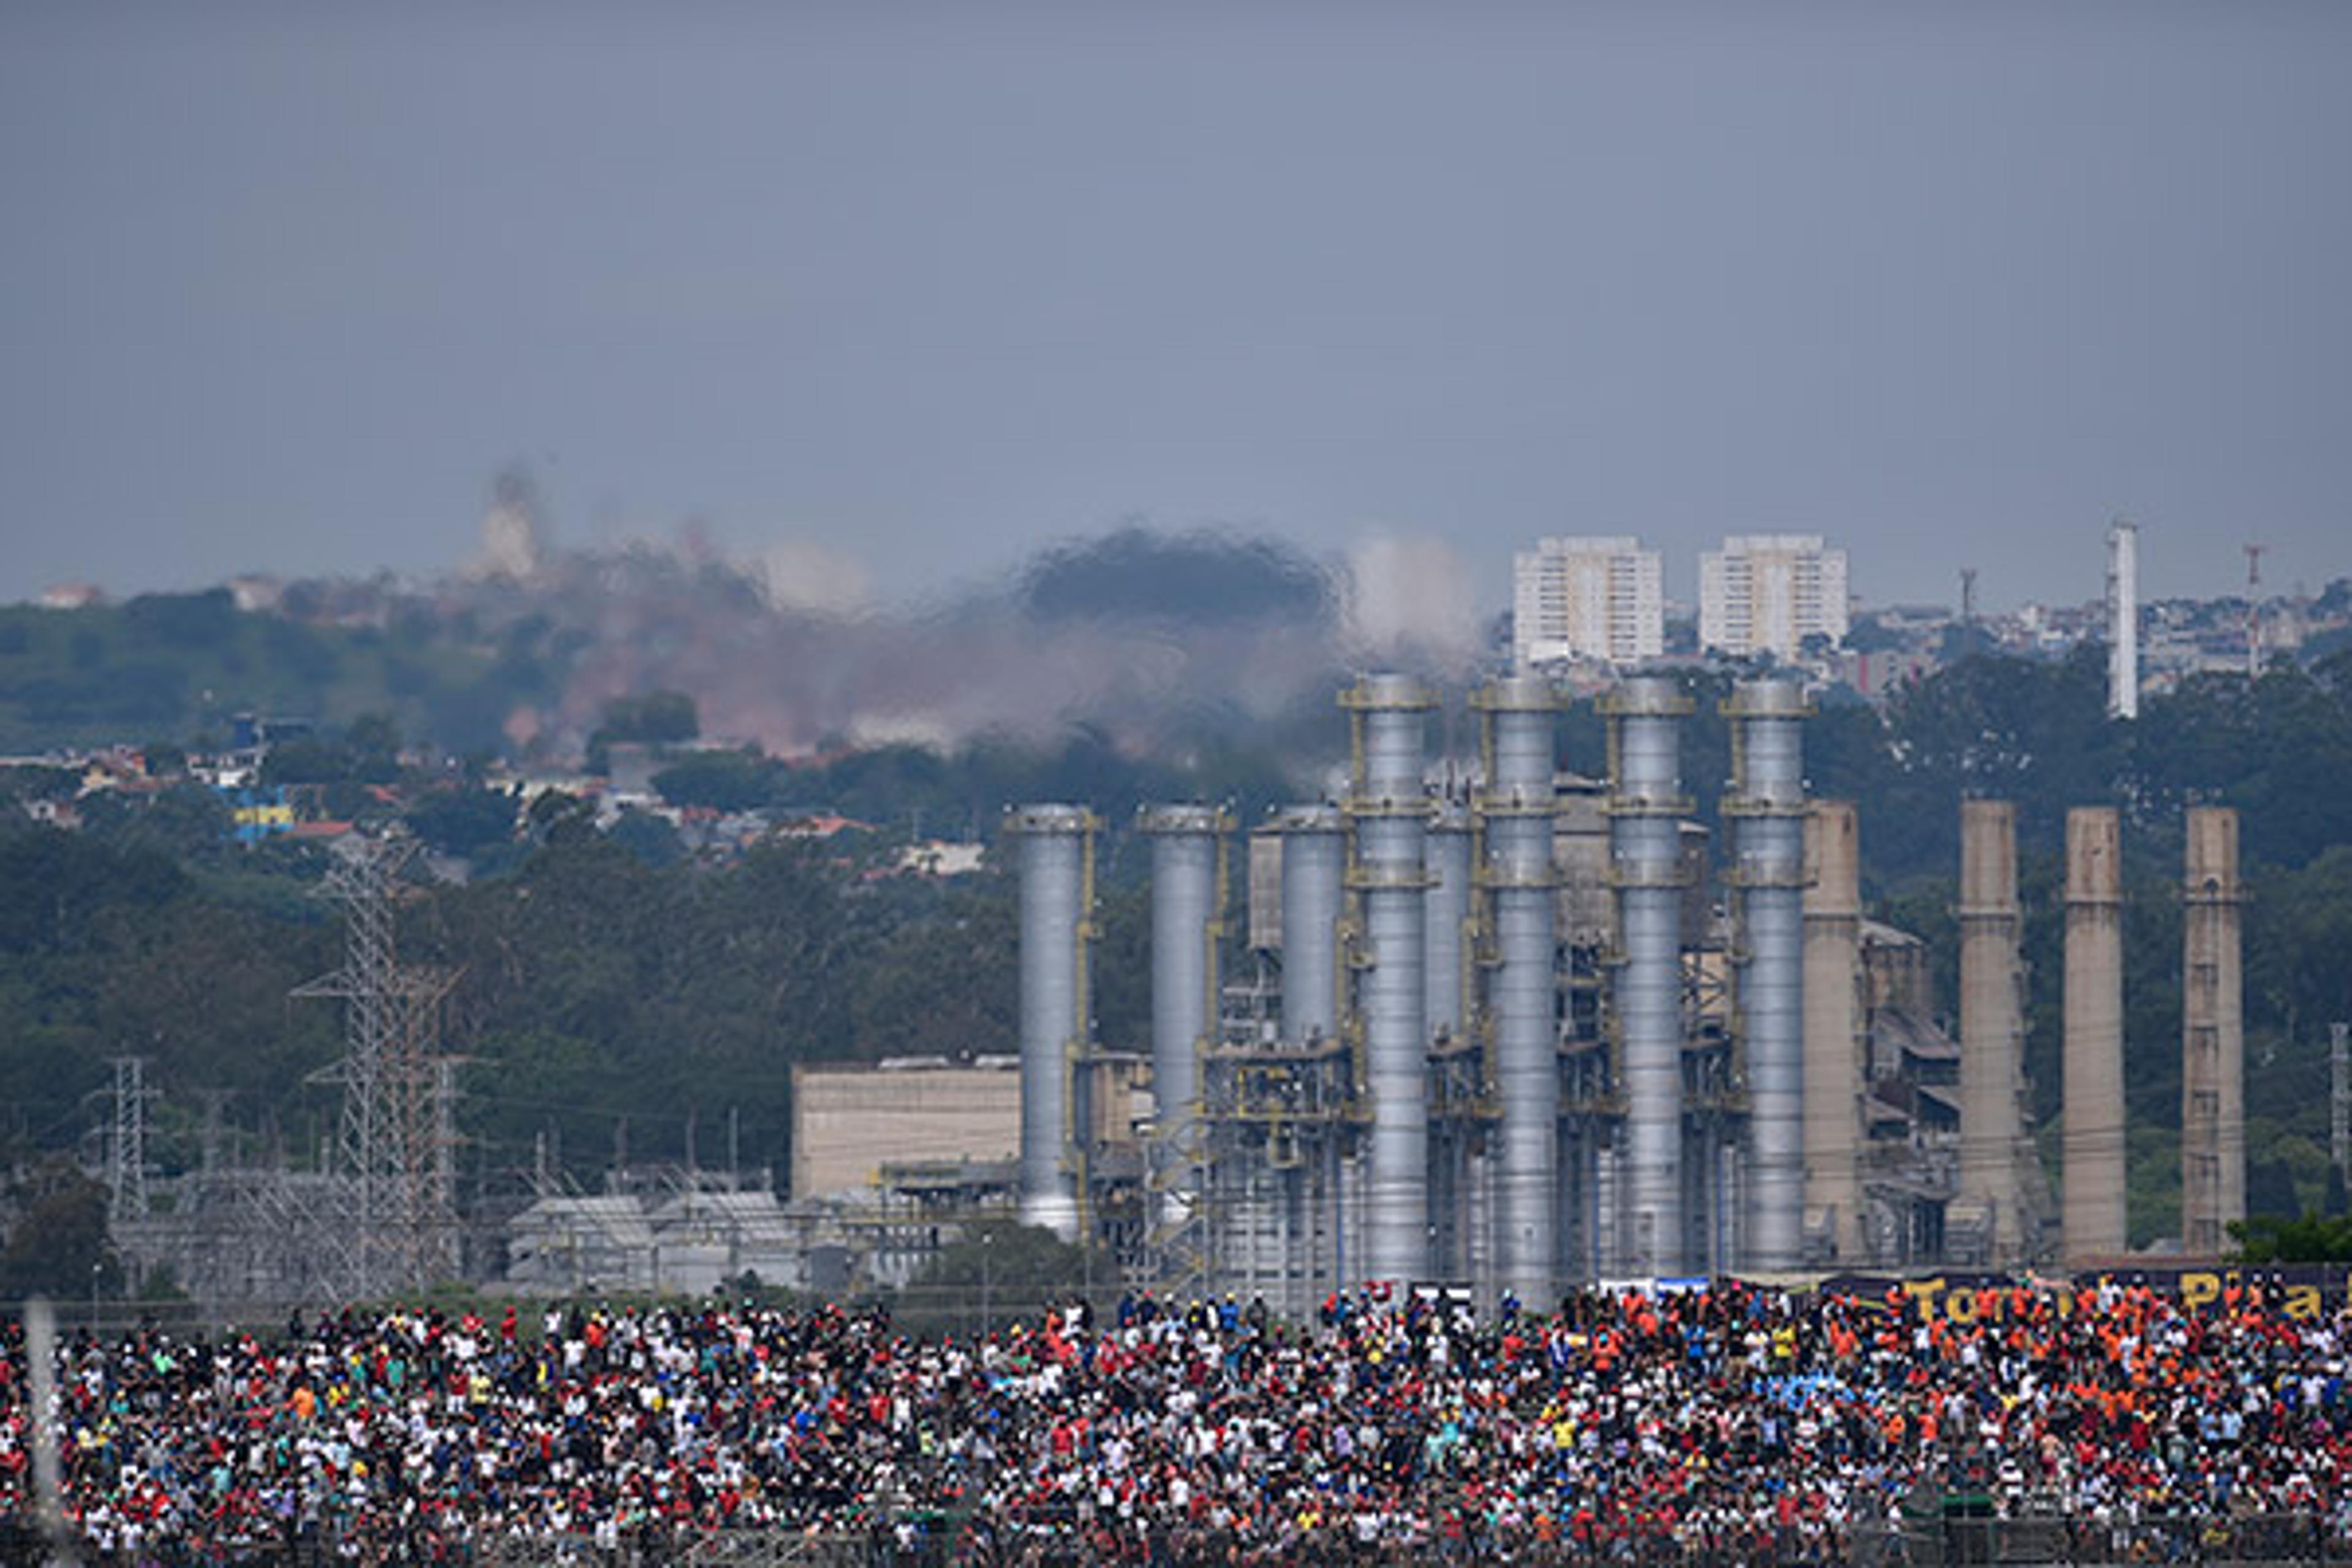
(1587, 598)
(1769, 591)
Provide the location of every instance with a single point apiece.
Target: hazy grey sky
(283, 288)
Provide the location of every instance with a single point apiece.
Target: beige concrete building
(849, 1122)
(1767, 592)
(1591, 598)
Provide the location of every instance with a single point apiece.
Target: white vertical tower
(1448, 857)
(1647, 868)
(1187, 887)
(1389, 876)
(1518, 717)
(1765, 805)
(1314, 867)
(2123, 620)
(1056, 932)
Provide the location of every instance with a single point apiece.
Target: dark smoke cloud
(1154, 640)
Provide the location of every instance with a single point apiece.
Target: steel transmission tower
(126, 1150)
(396, 1227)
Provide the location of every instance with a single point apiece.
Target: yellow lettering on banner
(2303, 1301)
(1923, 1293)
(2199, 1290)
(1961, 1306)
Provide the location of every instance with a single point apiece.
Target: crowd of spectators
(1737, 1422)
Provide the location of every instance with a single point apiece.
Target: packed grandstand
(1730, 1424)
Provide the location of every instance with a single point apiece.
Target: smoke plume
(1154, 640)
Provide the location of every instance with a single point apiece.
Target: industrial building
(1533, 1032)
(1481, 1020)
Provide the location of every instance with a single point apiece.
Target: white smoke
(801, 574)
(511, 542)
(1409, 600)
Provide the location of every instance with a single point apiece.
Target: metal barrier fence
(2183, 1538)
(1036, 1543)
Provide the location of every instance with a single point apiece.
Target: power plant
(1494, 1023)
(1481, 1021)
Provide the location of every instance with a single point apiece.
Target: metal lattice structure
(126, 1149)
(394, 1227)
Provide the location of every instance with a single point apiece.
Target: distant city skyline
(1680, 601)
(895, 297)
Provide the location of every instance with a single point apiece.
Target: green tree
(1000, 1272)
(465, 821)
(720, 780)
(184, 819)
(647, 837)
(53, 885)
(2033, 731)
(59, 1247)
(372, 741)
(2280, 1238)
(940, 982)
(184, 621)
(37, 782)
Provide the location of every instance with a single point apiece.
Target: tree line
(621, 995)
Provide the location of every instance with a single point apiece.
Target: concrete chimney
(1992, 1027)
(1834, 1043)
(2093, 1214)
(2213, 1040)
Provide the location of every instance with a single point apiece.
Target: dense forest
(624, 991)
